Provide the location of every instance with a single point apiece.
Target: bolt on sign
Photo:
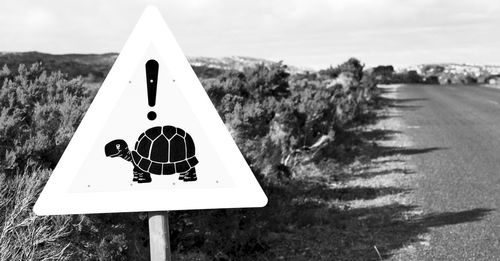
(151, 140)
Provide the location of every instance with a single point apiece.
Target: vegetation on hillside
(94, 67)
(288, 127)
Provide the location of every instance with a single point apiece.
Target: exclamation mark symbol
(152, 83)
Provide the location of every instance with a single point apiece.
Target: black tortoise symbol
(163, 150)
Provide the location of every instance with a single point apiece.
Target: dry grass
(23, 235)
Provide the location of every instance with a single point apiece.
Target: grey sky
(306, 33)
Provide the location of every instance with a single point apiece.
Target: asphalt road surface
(457, 132)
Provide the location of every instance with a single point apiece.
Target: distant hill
(238, 63)
(227, 63)
(95, 67)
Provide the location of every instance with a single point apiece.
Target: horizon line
(260, 58)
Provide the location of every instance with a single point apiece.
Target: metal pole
(159, 237)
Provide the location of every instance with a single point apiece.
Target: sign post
(159, 236)
(151, 141)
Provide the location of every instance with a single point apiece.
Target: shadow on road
(394, 226)
(406, 107)
(343, 233)
(373, 173)
(389, 151)
(452, 218)
(398, 101)
(353, 145)
(387, 228)
(353, 233)
(378, 134)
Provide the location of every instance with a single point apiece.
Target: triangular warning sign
(151, 140)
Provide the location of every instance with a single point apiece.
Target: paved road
(460, 188)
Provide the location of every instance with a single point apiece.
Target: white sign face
(151, 140)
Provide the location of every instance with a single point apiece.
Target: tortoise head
(116, 148)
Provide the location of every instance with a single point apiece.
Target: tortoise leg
(182, 175)
(136, 172)
(144, 177)
(191, 175)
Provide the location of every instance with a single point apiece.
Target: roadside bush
(352, 66)
(39, 114)
(278, 122)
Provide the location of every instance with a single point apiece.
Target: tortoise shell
(164, 151)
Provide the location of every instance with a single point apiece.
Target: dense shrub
(38, 115)
(383, 73)
(411, 76)
(352, 66)
(278, 122)
(272, 115)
